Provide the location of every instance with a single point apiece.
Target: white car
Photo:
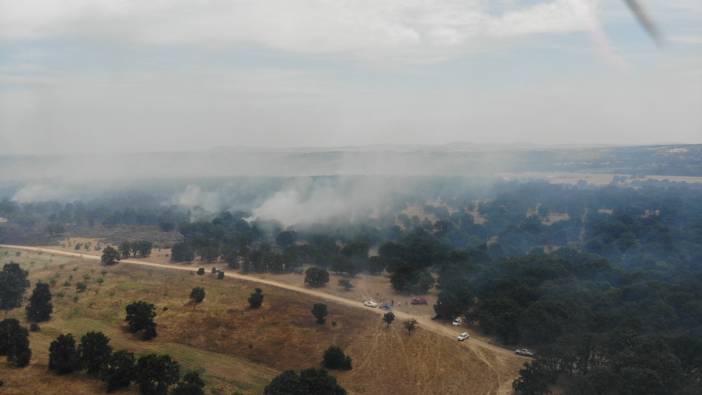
(463, 336)
(525, 352)
(457, 322)
(370, 303)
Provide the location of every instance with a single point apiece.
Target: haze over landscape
(331, 197)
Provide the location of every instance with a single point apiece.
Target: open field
(241, 349)
(365, 287)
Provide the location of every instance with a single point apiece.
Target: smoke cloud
(305, 201)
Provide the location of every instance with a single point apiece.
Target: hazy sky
(135, 75)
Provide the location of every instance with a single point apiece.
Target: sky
(96, 76)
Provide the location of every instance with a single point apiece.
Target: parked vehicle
(457, 322)
(419, 300)
(463, 336)
(370, 303)
(525, 352)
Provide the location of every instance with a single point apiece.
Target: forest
(603, 282)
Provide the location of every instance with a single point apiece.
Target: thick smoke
(306, 200)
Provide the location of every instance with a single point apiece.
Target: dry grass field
(365, 287)
(239, 349)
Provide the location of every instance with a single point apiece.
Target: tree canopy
(14, 343)
(197, 295)
(309, 382)
(13, 284)
(316, 277)
(256, 299)
(63, 356)
(118, 370)
(140, 318)
(40, 308)
(155, 374)
(93, 351)
(334, 358)
(110, 256)
(319, 311)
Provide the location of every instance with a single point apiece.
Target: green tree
(388, 318)
(156, 373)
(191, 384)
(142, 248)
(8, 328)
(319, 310)
(63, 357)
(344, 264)
(256, 299)
(308, 382)
(110, 256)
(40, 308)
(534, 379)
(197, 294)
(93, 351)
(140, 318)
(19, 353)
(334, 358)
(412, 281)
(194, 378)
(182, 252)
(316, 277)
(183, 388)
(118, 371)
(500, 315)
(14, 342)
(456, 294)
(125, 249)
(13, 284)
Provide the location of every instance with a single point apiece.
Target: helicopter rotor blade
(646, 21)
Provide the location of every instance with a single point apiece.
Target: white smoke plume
(194, 197)
(306, 201)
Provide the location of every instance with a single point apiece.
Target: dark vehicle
(418, 300)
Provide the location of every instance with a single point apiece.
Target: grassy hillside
(237, 349)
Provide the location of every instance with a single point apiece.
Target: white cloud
(358, 27)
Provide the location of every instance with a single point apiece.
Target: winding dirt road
(490, 354)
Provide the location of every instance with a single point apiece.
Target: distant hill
(459, 159)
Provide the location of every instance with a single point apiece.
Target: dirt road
(491, 354)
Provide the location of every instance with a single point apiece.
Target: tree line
(154, 374)
(597, 327)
